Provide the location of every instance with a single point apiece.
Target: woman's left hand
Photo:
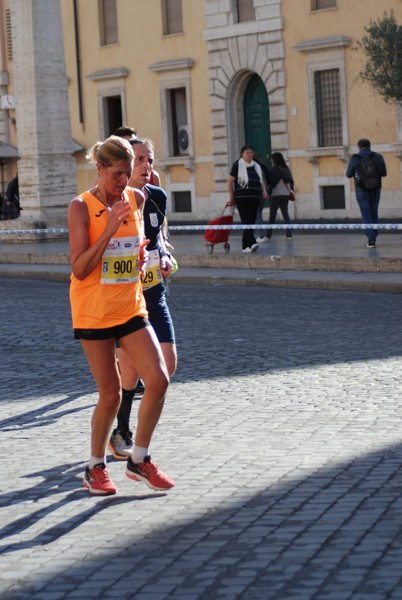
(144, 256)
(166, 266)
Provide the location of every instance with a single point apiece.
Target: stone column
(46, 166)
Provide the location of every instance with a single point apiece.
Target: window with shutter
(108, 22)
(172, 17)
(245, 11)
(321, 4)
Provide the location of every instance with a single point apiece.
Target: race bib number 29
(153, 274)
(120, 260)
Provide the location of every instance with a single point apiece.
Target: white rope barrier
(334, 226)
(296, 226)
(33, 231)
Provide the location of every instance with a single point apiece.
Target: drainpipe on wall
(78, 62)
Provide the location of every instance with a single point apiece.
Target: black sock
(123, 416)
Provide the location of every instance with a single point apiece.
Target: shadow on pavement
(334, 533)
(48, 487)
(45, 414)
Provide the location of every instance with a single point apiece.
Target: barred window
(172, 17)
(108, 22)
(328, 107)
(245, 11)
(9, 44)
(321, 4)
(181, 201)
(333, 196)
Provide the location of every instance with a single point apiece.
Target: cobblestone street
(282, 430)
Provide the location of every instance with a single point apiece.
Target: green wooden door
(256, 119)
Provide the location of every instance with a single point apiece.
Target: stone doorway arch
(257, 124)
(235, 113)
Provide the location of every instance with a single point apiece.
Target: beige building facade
(322, 66)
(147, 68)
(201, 78)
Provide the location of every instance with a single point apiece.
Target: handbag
(292, 196)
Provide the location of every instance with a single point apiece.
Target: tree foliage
(383, 48)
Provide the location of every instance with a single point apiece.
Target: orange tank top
(112, 294)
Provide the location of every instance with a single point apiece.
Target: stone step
(269, 262)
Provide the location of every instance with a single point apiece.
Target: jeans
(368, 202)
(279, 202)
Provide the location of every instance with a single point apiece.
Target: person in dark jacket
(11, 203)
(368, 200)
(281, 182)
(246, 186)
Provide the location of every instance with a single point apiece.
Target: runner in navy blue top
(158, 268)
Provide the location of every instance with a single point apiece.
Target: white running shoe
(120, 445)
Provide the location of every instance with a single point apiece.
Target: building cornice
(314, 154)
(238, 29)
(172, 65)
(336, 41)
(166, 163)
(107, 74)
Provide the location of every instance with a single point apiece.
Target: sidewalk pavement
(326, 260)
(281, 428)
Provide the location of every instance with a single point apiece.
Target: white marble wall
(236, 52)
(46, 167)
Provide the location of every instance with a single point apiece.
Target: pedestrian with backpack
(367, 168)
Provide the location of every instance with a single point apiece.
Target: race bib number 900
(120, 260)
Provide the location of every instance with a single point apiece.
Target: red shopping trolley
(220, 236)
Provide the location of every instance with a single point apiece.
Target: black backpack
(367, 171)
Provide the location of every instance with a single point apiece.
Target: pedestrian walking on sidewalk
(157, 269)
(11, 208)
(108, 306)
(262, 233)
(246, 186)
(281, 182)
(367, 168)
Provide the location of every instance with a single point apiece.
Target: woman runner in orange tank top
(107, 304)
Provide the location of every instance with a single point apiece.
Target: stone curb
(271, 262)
(329, 280)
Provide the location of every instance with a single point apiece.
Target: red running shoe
(98, 482)
(149, 473)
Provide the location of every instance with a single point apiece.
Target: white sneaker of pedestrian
(246, 250)
(254, 248)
